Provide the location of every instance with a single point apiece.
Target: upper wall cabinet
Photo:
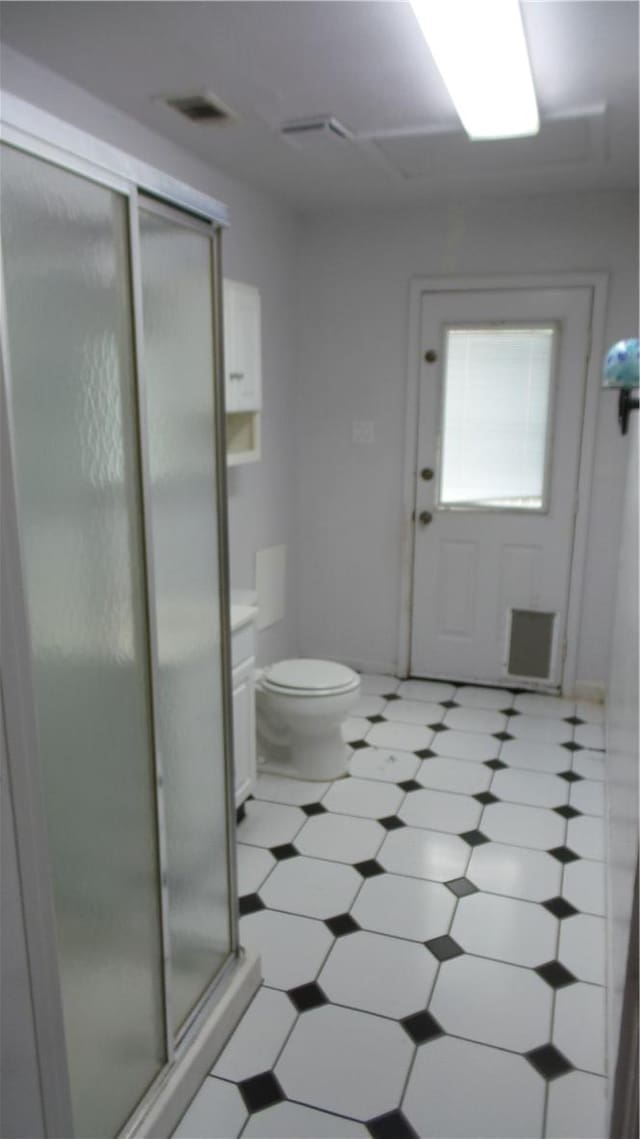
(243, 371)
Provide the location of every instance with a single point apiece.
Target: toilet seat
(309, 677)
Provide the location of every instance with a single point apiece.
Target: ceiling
(365, 63)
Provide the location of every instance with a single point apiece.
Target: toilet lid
(310, 675)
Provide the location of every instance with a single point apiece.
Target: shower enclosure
(115, 623)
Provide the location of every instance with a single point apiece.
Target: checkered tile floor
(431, 930)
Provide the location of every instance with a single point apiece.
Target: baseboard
(591, 693)
(373, 668)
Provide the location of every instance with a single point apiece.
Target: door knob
(425, 517)
(426, 473)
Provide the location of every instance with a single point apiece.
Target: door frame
(597, 281)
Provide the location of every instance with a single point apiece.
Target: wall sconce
(622, 371)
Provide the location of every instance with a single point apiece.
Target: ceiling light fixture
(480, 50)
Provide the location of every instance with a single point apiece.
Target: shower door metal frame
(29, 129)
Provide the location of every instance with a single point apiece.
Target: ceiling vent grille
(201, 108)
(329, 127)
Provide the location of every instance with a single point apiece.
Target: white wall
(355, 271)
(260, 247)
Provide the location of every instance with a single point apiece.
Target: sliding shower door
(179, 376)
(69, 347)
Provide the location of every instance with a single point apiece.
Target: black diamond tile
(393, 1125)
(305, 997)
(548, 1061)
(485, 797)
(240, 813)
(421, 1026)
(560, 907)
(555, 974)
(571, 746)
(438, 727)
(502, 736)
(250, 904)
(342, 924)
(564, 854)
(391, 696)
(261, 1091)
(474, 838)
(286, 850)
(444, 948)
(449, 704)
(355, 744)
(567, 812)
(410, 785)
(517, 691)
(494, 764)
(369, 868)
(573, 720)
(510, 711)
(425, 753)
(377, 719)
(570, 776)
(461, 887)
(391, 823)
(314, 809)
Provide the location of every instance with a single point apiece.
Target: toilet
(301, 706)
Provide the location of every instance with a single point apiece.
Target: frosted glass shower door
(72, 400)
(179, 373)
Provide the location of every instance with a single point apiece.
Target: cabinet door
(244, 731)
(242, 346)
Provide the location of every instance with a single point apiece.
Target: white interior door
(500, 420)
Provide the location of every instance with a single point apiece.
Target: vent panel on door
(531, 644)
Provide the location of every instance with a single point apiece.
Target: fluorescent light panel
(481, 52)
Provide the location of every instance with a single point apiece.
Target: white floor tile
(535, 704)
(586, 836)
(577, 1107)
(532, 788)
(523, 826)
(440, 811)
(254, 863)
(330, 1057)
(540, 728)
(515, 871)
(294, 792)
(494, 699)
(506, 929)
(590, 736)
(484, 1000)
(475, 720)
(445, 774)
(340, 838)
(584, 885)
(579, 1026)
(293, 1121)
(476, 746)
(311, 887)
(292, 949)
(364, 797)
(590, 764)
(433, 690)
(216, 1112)
(588, 796)
(355, 728)
(582, 947)
(258, 1038)
(404, 907)
(590, 712)
(414, 712)
(269, 824)
(536, 756)
(406, 737)
(424, 854)
(457, 1089)
(368, 706)
(379, 974)
(380, 763)
(378, 685)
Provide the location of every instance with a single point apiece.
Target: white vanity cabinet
(243, 663)
(243, 370)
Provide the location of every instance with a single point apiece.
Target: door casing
(598, 282)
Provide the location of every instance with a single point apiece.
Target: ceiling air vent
(327, 127)
(201, 108)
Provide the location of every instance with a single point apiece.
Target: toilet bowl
(301, 706)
